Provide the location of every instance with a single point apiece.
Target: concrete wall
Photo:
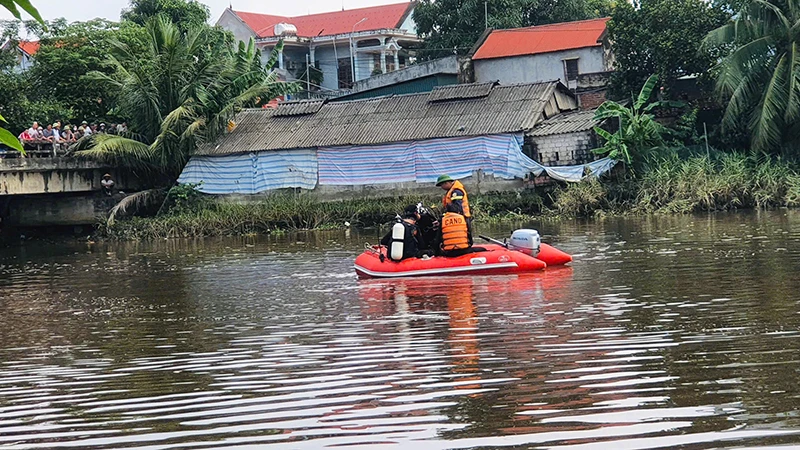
(541, 67)
(447, 65)
(563, 149)
(20, 176)
(56, 210)
(424, 84)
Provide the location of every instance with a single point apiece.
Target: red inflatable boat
(497, 260)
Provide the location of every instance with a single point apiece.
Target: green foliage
(185, 14)
(289, 211)
(21, 107)
(185, 198)
(584, 199)
(8, 139)
(661, 37)
(179, 93)
(760, 75)
(454, 25)
(686, 180)
(638, 131)
(56, 88)
(14, 7)
(715, 181)
(67, 54)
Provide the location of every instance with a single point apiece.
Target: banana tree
(638, 129)
(8, 139)
(13, 6)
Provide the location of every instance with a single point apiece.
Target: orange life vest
(464, 201)
(454, 232)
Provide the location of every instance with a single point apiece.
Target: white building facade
(340, 47)
(562, 51)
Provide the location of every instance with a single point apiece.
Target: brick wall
(563, 149)
(591, 100)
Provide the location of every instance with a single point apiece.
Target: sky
(81, 10)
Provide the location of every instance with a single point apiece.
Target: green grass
(301, 212)
(672, 182)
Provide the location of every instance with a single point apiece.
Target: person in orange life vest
(455, 235)
(412, 239)
(456, 195)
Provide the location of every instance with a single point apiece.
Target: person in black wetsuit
(413, 246)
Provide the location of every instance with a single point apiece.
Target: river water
(664, 332)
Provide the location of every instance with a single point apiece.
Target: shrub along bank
(671, 182)
(686, 182)
(206, 217)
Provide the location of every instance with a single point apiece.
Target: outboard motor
(525, 241)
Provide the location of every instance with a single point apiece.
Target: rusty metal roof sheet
(506, 109)
(460, 91)
(298, 108)
(570, 122)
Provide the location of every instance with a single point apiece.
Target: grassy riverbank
(669, 183)
(300, 212)
(686, 183)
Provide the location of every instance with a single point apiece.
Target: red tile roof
(29, 47)
(542, 39)
(331, 23)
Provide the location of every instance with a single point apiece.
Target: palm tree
(180, 93)
(761, 73)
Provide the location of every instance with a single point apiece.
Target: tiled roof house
(382, 39)
(577, 53)
(25, 52)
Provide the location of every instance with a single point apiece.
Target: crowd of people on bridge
(55, 138)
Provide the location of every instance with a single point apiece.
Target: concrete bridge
(55, 191)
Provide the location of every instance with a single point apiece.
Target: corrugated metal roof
(460, 91)
(298, 108)
(570, 122)
(506, 109)
(542, 39)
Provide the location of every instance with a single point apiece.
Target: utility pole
(308, 79)
(485, 15)
(353, 52)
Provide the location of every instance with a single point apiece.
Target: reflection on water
(665, 332)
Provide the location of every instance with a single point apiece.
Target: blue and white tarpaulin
(420, 161)
(423, 161)
(574, 174)
(253, 172)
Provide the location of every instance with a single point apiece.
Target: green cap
(443, 179)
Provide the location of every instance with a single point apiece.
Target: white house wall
(409, 24)
(231, 22)
(539, 67)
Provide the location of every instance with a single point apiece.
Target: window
(345, 74)
(571, 69)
